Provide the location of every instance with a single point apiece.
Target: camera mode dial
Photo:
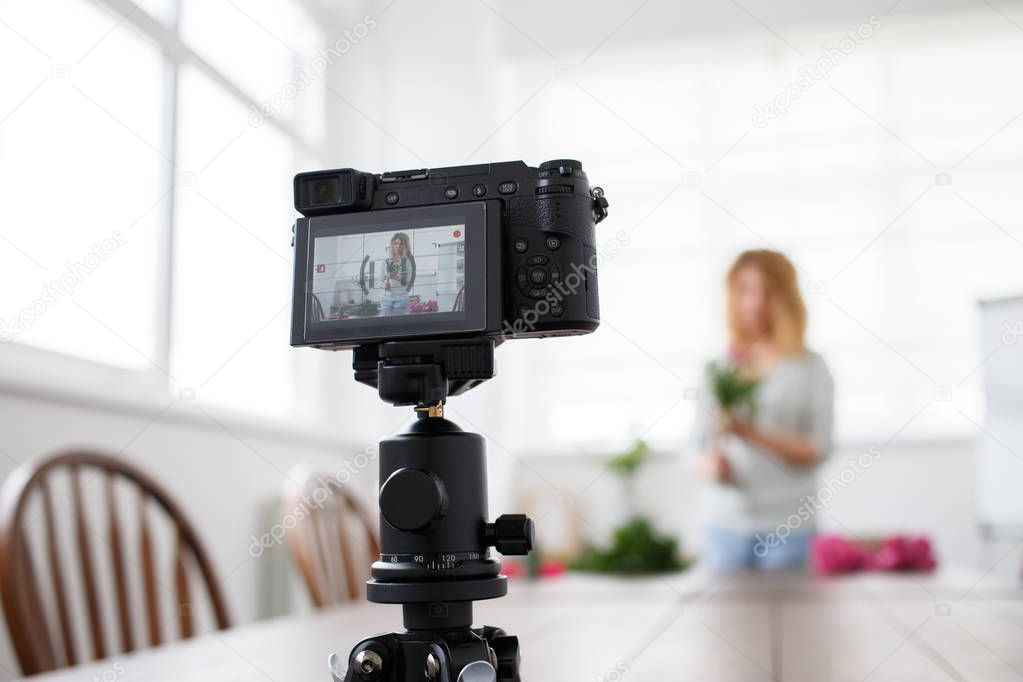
(565, 167)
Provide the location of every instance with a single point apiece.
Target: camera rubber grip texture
(566, 213)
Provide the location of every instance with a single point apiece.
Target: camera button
(537, 293)
(553, 243)
(451, 193)
(537, 260)
(523, 278)
(391, 198)
(508, 187)
(479, 190)
(555, 274)
(538, 276)
(557, 310)
(521, 245)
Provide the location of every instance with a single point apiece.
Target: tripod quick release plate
(424, 372)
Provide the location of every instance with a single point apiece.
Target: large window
(134, 232)
(83, 157)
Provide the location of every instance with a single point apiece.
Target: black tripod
(434, 533)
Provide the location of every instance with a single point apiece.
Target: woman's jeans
(724, 549)
(393, 306)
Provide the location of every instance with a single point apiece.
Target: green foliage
(733, 390)
(628, 462)
(366, 309)
(636, 547)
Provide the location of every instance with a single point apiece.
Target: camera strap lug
(599, 204)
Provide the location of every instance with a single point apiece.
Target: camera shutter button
(410, 499)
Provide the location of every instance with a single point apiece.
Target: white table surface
(689, 626)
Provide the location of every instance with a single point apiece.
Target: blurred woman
(759, 507)
(399, 273)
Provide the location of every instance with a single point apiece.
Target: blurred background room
(147, 152)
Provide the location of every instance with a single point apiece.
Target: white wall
(928, 488)
(825, 183)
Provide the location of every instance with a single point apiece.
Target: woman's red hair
(786, 325)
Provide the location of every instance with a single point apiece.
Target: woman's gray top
(796, 397)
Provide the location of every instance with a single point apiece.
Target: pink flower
(832, 554)
(513, 568)
(552, 569)
(904, 553)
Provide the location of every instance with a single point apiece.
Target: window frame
(35, 372)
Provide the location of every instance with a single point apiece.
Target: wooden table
(742, 627)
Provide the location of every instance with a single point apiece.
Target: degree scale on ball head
(433, 562)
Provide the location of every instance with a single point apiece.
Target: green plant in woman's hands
(734, 390)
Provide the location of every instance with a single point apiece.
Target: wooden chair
(46, 641)
(334, 543)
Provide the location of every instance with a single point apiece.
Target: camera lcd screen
(405, 271)
(394, 273)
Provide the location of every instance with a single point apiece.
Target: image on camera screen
(411, 271)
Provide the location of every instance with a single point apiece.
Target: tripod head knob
(511, 534)
(411, 499)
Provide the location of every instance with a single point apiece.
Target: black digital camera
(487, 250)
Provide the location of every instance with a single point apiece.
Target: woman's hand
(741, 427)
(793, 448)
(715, 466)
